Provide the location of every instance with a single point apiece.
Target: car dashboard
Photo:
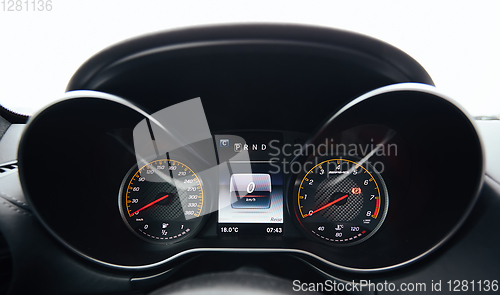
(302, 153)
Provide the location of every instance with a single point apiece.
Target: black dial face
(162, 201)
(340, 201)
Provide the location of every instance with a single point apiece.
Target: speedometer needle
(327, 205)
(149, 205)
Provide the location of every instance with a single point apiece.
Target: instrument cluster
(133, 190)
(326, 145)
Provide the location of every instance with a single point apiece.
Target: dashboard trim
(228, 33)
(243, 42)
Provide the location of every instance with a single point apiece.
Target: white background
(457, 42)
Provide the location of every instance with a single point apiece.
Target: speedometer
(162, 201)
(341, 201)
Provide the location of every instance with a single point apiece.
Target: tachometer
(162, 201)
(341, 201)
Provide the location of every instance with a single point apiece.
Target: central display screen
(250, 184)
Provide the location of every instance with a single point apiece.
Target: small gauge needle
(150, 204)
(326, 206)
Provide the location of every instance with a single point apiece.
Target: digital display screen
(250, 184)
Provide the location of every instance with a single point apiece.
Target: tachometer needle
(327, 205)
(149, 205)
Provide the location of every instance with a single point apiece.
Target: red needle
(149, 205)
(326, 206)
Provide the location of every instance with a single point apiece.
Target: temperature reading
(229, 229)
